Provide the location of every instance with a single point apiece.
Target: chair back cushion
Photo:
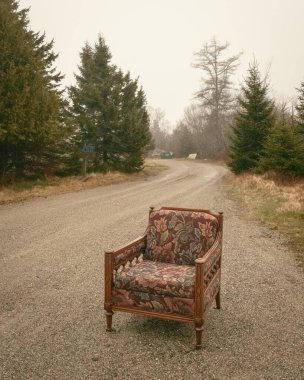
(178, 236)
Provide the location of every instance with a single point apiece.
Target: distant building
(160, 153)
(166, 154)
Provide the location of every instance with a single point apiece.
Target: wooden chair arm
(119, 258)
(208, 265)
(129, 252)
(207, 281)
(211, 256)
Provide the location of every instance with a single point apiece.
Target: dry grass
(52, 186)
(291, 192)
(276, 201)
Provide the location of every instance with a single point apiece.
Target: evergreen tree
(92, 102)
(30, 102)
(253, 123)
(134, 134)
(110, 111)
(283, 152)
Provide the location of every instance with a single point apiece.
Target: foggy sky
(156, 39)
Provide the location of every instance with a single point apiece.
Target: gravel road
(51, 277)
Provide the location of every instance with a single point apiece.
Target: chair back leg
(109, 315)
(218, 300)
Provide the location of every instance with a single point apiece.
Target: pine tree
(253, 123)
(92, 101)
(110, 111)
(134, 134)
(30, 102)
(283, 152)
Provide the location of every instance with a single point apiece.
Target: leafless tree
(215, 94)
(284, 111)
(159, 127)
(194, 119)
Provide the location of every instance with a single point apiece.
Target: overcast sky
(156, 39)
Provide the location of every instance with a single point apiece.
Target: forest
(103, 119)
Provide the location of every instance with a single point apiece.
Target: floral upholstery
(153, 302)
(179, 237)
(159, 278)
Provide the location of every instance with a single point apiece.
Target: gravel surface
(51, 290)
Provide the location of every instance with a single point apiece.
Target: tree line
(45, 130)
(104, 119)
(244, 126)
(266, 138)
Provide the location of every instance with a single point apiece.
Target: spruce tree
(92, 102)
(253, 123)
(30, 102)
(283, 152)
(110, 111)
(134, 134)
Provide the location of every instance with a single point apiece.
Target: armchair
(173, 272)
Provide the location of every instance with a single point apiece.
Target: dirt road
(51, 278)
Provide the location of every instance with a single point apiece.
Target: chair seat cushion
(153, 302)
(158, 278)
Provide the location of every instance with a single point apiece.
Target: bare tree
(204, 138)
(283, 111)
(182, 140)
(216, 92)
(159, 127)
(157, 117)
(194, 119)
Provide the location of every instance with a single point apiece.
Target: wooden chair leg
(109, 315)
(199, 333)
(218, 300)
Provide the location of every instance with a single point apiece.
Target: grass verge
(275, 201)
(24, 190)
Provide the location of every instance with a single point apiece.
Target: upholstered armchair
(173, 272)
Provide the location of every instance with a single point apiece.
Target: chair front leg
(199, 311)
(218, 299)
(199, 327)
(108, 288)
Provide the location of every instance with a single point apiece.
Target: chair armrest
(212, 256)
(208, 265)
(208, 274)
(118, 259)
(129, 252)
(211, 261)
